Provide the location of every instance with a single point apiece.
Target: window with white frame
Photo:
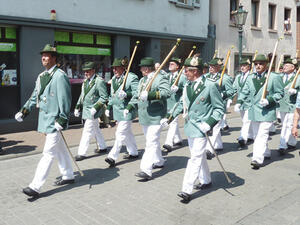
(272, 16)
(254, 12)
(287, 19)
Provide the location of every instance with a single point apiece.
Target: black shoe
(278, 120)
(282, 151)
(250, 140)
(128, 156)
(185, 196)
(110, 161)
(179, 143)
(271, 133)
(242, 143)
(291, 147)
(219, 149)
(100, 150)
(168, 148)
(143, 175)
(63, 182)
(28, 191)
(226, 128)
(255, 165)
(202, 186)
(267, 157)
(1, 151)
(209, 155)
(80, 157)
(157, 167)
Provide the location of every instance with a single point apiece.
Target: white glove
(292, 91)
(125, 113)
(57, 126)
(144, 96)
(164, 122)
(174, 88)
(19, 116)
(264, 102)
(122, 94)
(237, 107)
(93, 111)
(106, 112)
(204, 127)
(76, 113)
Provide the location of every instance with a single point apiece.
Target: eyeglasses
(189, 69)
(259, 63)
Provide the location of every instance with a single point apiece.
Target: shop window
(272, 16)
(9, 81)
(287, 20)
(254, 12)
(75, 48)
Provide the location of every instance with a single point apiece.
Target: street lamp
(240, 17)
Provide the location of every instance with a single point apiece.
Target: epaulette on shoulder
(212, 79)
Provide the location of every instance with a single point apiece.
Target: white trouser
(224, 122)
(246, 129)
(215, 139)
(278, 116)
(54, 147)
(152, 154)
(197, 166)
(173, 135)
(124, 136)
(260, 146)
(90, 129)
(286, 136)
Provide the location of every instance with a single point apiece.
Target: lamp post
(240, 17)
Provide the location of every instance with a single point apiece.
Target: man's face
(173, 67)
(260, 67)
(48, 60)
(118, 71)
(214, 68)
(288, 68)
(245, 68)
(89, 73)
(145, 70)
(191, 73)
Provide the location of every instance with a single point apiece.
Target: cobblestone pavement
(270, 195)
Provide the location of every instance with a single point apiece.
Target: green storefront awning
(8, 47)
(77, 50)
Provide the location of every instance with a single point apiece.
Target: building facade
(267, 21)
(90, 30)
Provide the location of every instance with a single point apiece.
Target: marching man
(227, 91)
(262, 112)
(203, 107)
(238, 84)
(118, 101)
(287, 106)
(173, 135)
(152, 107)
(91, 104)
(52, 96)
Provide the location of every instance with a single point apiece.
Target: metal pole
(240, 43)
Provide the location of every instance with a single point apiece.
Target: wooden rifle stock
(225, 65)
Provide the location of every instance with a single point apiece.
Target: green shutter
(103, 39)
(10, 33)
(83, 38)
(77, 50)
(7, 47)
(61, 36)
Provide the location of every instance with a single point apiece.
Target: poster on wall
(9, 77)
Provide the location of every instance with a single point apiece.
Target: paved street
(270, 195)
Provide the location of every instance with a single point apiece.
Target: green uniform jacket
(175, 97)
(253, 90)
(92, 95)
(118, 104)
(238, 86)
(54, 103)
(152, 111)
(205, 104)
(287, 103)
(226, 88)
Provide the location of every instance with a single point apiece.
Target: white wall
(144, 15)
(262, 40)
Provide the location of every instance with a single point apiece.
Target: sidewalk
(32, 142)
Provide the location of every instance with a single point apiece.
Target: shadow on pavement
(12, 147)
(219, 182)
(91, 177)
